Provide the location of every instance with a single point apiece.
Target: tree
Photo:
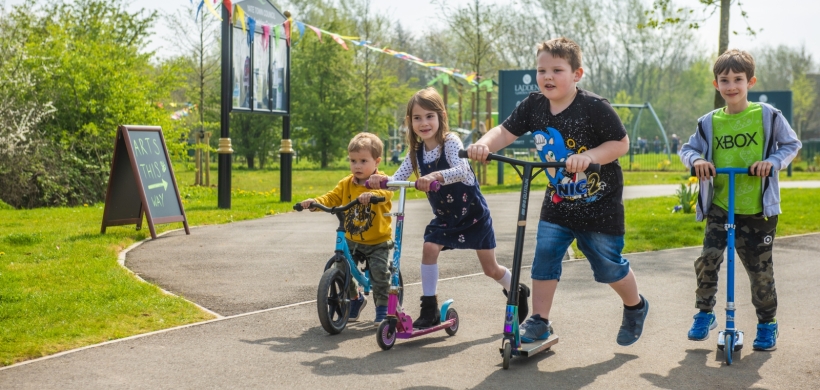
(326, 108)
(198, 37)
(97, 79)
(24, 110)
(474, 28)
(710, 6)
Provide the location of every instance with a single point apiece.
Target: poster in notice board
(142, 181)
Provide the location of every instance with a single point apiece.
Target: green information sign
(142, 181)
(513, 87)
(781, 100)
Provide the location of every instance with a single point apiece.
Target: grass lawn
(61, 286)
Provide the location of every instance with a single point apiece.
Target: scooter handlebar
(434, 186)
(747, 171)
(544, 164)
(373, 199)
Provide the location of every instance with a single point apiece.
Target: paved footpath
(260, 276)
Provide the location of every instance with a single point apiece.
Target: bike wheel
(451, 314)
(506, 355)
(728, 348)
(332, 301)
(384, 337)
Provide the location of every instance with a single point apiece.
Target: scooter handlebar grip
(382, 185)
(594, 168)
(462, 153)
(692, 171)
(434, 186)
(298, 207)
(771, 172)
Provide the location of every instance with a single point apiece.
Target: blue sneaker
(381, 313)
(704, 322)
(766, 339)
(356, 306)
(632, 324)
(535, 328)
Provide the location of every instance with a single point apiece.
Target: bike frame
(343, 255)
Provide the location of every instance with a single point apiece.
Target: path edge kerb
(121, 262)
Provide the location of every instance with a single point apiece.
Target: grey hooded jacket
(780, 148)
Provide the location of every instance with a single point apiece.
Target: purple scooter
(399, 324)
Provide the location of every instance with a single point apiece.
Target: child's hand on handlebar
(704, 170)
(306, 203)
(364, 198)
(375, 181)
(423, 183)
(578, 162)
(761, 168)
(478, 152)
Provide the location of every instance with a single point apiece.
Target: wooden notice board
(142, 181)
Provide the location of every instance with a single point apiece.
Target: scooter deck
(721, 344)
(530, 349)
(421, 332)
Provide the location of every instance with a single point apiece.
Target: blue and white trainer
(535, 328)
(704, 322)
(766, 339)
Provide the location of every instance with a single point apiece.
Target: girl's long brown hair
(429, 99)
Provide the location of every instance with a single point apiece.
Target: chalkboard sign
(142, 181)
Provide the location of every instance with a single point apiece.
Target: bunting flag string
(240, 16)
(211, 9)
(286, 30)
(265, 36)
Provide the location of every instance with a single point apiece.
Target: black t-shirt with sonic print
(584, 201)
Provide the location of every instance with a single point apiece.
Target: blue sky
(790, 22)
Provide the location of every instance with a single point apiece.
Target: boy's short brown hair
(737, 61)
(562, 48)
(366, 141)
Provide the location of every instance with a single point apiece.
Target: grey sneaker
(632, 324)
(535, 328)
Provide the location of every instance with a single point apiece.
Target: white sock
(505, 280)
(429, 279)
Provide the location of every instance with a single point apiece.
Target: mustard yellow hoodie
(363, 224)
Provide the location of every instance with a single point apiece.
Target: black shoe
(429, 315)
(523, 304)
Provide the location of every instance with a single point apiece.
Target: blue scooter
(731, 337)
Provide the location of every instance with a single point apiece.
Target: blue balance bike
(730, 340)
(333, 300)
(511, 341)
(398, 324)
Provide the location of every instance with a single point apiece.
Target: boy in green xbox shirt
(742, 134)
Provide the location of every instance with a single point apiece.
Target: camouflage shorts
(754, 237)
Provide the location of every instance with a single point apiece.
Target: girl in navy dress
(462, 219)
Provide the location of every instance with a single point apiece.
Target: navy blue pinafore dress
(462, 217)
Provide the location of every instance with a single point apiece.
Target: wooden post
(198, 163)
(208, 159)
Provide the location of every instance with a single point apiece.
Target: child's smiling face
(734, 88)
(425, 125)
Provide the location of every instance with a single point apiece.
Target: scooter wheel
(506, 355)
(452, 314)
(728, 348)
(384, 337)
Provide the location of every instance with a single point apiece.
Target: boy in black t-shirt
(579, 128)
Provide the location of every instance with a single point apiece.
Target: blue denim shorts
(603, 251)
